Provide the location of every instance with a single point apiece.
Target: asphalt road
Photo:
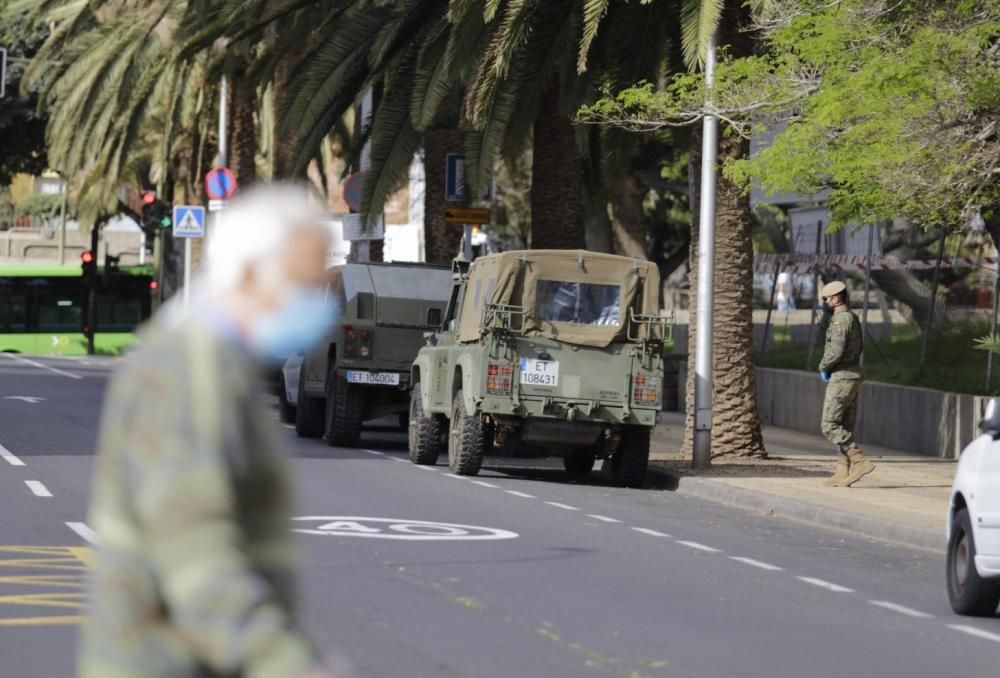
(521, 574)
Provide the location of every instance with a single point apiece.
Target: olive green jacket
(194, 572)
(844, 345)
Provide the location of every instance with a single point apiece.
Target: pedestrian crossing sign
(189, 221)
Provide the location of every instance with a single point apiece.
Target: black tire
(968, 593)
(580, 463)
(629, 463)
(467, 440)
(344, 412)
(424, 432)
(286, 411)
(309, 413)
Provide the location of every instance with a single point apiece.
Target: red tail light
(499, 379)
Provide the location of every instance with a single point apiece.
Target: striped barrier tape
(810, 263)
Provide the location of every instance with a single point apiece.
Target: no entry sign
(220, 184)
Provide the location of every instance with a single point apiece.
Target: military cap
(832, 289)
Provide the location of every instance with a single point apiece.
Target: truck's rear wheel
(628, 465)
(344, 411)
(467, 440)
(308, 414)
(424, 432)
(579, 463)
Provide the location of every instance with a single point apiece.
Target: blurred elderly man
(194, 573)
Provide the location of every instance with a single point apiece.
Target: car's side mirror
(991, 419)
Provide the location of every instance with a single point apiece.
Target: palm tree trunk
(556, 179)
(243, 148)
(628, 193)
(441, 240)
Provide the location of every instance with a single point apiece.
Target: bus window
(13, 309)
(59, 312)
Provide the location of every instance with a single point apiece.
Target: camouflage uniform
(842, 360)
(194, 571)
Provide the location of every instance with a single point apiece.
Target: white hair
(254, 230)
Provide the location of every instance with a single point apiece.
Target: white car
(288, 389)
(974, 523)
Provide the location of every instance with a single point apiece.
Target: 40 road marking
(399, 529)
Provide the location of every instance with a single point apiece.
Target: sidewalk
(904, 500)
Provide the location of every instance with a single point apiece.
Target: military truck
(362, 371)
(543, 353)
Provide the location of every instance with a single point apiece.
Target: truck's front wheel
(467, 440)
(344, 411)
(628, 465)
(424, 432)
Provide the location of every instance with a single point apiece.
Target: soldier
(840, 369)
(194, 571)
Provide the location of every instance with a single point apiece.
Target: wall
(915, 420)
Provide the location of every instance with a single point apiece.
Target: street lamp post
(702, 457)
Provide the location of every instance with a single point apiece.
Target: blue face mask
(296, 326)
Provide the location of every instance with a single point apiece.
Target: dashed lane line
(562, 506)
(483, 483)
(901, 609)
(453, 475)
(759, 564)
(405, 461)
(375, 452)
(42, 366)
(522, 495)
(84, 530)
(38, 488)
(603, 519)
(10, 457)
(973, 631)
(425, 468)
(698, 546)
(823, 584)
(651, 533)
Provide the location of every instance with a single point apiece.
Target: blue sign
(189, 221)
(454, 179)
(220, 184)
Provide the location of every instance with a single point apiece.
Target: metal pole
(467, 242)
(223, 104)
(868, 286)
(770, 305)
(62, 224)
(812, 313)
(95, 235)
(702, 457)
(934, 289)
(993, 329)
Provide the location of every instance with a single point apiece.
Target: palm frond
(699, 19)
(593, 12)
(989, 342)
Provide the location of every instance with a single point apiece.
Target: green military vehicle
(544, 353)
(362, 371)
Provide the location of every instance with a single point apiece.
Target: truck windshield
(575, 302)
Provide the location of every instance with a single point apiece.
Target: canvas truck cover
(400, 294)
(575, 296)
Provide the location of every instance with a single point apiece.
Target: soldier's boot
(860, 466)
(839, 477)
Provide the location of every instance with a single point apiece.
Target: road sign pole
(702, 457)
(467, 242)
(187, 272)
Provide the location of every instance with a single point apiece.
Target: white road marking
(562, 506)
(425, 468)
(603, 519)
(902, 609)
(9, 457)
(37, 488)
(405, 461)
(289, 425)
(836, 588)
(523, 495)
(973, 631)
(381, 454)
(483, 483)
(698, 546)
(651, 533)
(84, 531)
(452, 475)
(55, 370)
(34, 400)
(757, 563)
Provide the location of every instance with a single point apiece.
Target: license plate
(539, 372)
(376, 378)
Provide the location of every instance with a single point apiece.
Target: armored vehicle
(362, 371)
(543, 353)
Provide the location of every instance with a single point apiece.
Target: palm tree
(736, 425)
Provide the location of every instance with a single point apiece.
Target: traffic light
(155, 215)
(88, 264)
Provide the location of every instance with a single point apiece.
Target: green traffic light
(165, 222)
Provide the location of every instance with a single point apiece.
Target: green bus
(42, 309)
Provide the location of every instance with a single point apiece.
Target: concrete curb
(822, 516)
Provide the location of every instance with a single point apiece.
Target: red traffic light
(148, 197)
(153, 285)
(87, 257)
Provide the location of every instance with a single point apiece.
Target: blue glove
(825, 376)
